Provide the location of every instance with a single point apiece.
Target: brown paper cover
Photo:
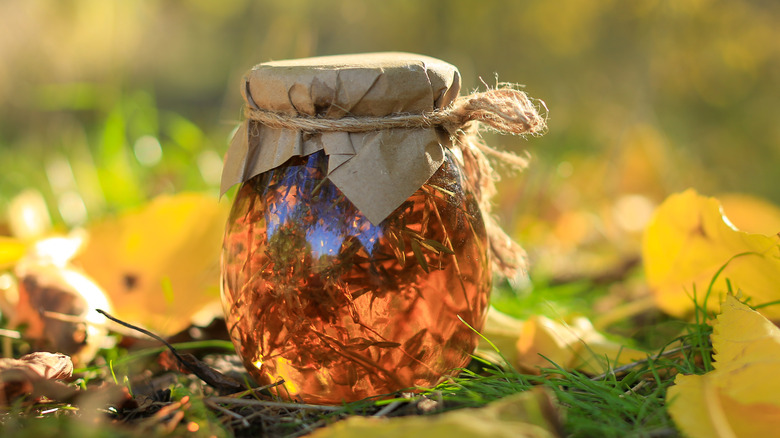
(377, 171)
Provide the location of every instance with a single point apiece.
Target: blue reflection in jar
(298, 198)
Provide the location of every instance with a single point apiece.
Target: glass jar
(342, 309)
(356, 260)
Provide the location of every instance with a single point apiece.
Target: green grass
(628, 401)
(625, 401)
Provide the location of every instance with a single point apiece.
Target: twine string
(505, 110)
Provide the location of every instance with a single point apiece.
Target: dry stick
(272, 404)
(160, 415)
(307, 428)
(64, 317)
(627, 367)
(202, 371)
(227, 412)
(634, 388)
(209, 379)
(389, 408)
(13, 334)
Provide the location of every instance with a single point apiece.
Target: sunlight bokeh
(106, 103)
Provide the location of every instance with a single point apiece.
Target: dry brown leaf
(34, 375)
(47, 365)
(58, 305)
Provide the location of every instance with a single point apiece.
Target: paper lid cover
(378, 170)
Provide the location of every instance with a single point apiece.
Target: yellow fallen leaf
(573, 346)
(751, 214)
(689, 240)
(741, 397)
(502, 331)
(11, 250)
(528, 414)
(159, 264)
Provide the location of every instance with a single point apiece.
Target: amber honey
(342, 309)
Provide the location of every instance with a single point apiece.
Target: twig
(272, 404)
(146, 332)
(170, 409)
(13, 334)
(64, 317)
(627, 367)
(389, 408)
(307, 428)
(661, 433)
(634, 389)
(211, 376)
(253, 391)
(228, 412)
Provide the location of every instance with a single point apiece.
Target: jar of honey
(356, 259)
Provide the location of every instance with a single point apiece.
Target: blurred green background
(106, 103)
